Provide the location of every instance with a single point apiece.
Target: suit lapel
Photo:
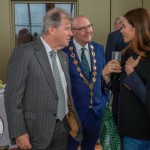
(79, 62)
(77, 58)
(44, 62)
(64, 65)
(92, 61)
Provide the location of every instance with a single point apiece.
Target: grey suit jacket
(30, 97)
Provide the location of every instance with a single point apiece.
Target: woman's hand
(131, 63)
(112, 66)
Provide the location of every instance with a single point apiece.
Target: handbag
(74, 127)
(108, 132)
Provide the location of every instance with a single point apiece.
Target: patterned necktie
(61, 111)
(84, 62)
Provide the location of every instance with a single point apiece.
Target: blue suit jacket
(80, 91)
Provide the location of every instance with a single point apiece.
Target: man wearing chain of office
(86, 64)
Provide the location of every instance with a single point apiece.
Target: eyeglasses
(90, 26)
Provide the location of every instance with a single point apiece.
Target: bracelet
(106, 79)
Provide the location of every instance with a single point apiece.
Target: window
(28, 17)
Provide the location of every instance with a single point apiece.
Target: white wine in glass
(116, 55)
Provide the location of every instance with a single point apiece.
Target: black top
(134, 115)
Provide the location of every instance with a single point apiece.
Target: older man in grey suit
(37, 85)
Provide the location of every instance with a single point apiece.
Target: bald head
(82, 30)
(76, 20)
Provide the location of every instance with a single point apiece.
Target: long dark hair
(140, 19)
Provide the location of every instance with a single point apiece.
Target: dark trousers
(60, 136)
(90, 127)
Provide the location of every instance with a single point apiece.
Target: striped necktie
(84, 62)
(61, 111)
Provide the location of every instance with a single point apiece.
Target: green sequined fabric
(108, 133)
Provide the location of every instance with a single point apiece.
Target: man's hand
(131, 63)
(23, 141)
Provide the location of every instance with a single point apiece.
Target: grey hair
(75, 18)
(118, 20)
(53, 17)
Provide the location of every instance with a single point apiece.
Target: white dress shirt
(79, 51)
(62, 75)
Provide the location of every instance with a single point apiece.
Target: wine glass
(116, 55)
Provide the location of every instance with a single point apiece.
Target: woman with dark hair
(134, 95)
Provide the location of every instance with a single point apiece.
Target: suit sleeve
(147, 99)
(14, 92)
(110, 46)
(134, 83)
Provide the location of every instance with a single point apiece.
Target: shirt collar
(47, 47)
(78, 46)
